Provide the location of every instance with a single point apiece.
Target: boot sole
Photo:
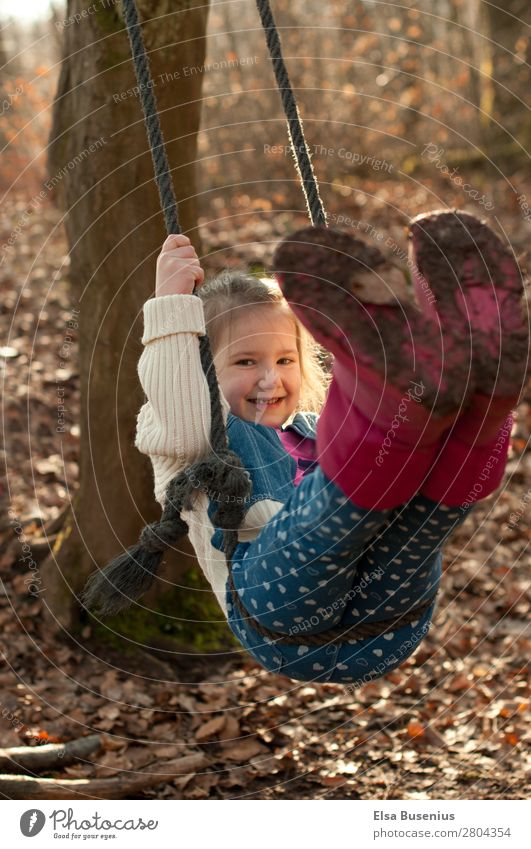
(478, 292)
(316, 270)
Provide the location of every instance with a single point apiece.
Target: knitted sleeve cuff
(172, 314)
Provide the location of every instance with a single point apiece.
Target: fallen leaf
(458, 683)
(210, 728)
(231, 731)
(415, 729)
(244, 750)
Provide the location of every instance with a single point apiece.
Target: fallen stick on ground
(34, 758)
(23, 787)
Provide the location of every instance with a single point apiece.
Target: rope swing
(221, 470)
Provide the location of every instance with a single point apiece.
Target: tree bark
(101, 172)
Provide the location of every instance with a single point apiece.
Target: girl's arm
(173, 426)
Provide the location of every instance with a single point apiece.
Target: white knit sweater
(173, 426)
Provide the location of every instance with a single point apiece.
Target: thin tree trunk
(508, 59)
(102, 173)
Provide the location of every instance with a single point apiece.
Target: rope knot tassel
(226, 482)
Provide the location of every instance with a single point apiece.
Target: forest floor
(451, 723)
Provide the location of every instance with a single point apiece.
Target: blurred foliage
(376, 84)
(29, 65)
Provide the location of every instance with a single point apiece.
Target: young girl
(350, 504)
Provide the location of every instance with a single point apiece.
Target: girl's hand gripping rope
(178, 268)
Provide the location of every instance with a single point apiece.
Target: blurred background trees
(374, 79)
(507, 58)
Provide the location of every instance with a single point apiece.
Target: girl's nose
(269, 378)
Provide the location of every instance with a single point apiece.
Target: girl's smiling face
(257, 361)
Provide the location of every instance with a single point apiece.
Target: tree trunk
(4, 100)
(102, 173)
(508, 58)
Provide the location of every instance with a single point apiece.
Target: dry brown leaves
(453, 722)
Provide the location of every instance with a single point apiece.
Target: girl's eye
(282, 360)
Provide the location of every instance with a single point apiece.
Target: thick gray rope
(296, 132)
(161, 165)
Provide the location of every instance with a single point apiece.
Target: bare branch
(122, 787)
(34, 758)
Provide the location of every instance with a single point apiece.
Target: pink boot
(379, 458)
(394, 392)
(465, 472)
(466, 278)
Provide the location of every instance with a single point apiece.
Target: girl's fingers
(178, 267)
(181, 266)
(175, 240)
(171, 264)
(185, 252)
(199, 274)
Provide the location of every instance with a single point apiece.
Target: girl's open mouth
(274, 402)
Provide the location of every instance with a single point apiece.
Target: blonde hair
(231, 290)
